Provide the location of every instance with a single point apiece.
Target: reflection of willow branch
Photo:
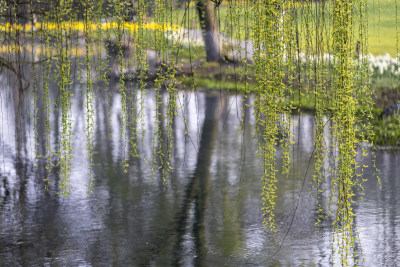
(298, 199)
(197, 189)
(4, 63)
(132, 131)
(27, 62)
(10, 66)
(20, 164)
(7, 189)
(161, 156)
(19, 121)
(42, 118)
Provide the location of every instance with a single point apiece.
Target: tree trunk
(18, 11)
(205, 9)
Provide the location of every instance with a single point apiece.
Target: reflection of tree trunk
(21, 168)
(134, 153)
(205, 9)
(197, 190)
(162, 152)
(246, 108)
(20, 73)
(41, 130)
(19, 123)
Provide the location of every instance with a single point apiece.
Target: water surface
(207, 213)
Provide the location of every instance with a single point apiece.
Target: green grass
(381, 23)
(382, 27)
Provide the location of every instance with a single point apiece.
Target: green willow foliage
(272, 21)
(89, 94)
(165, 77)
(349, 91)
(63, 45)
(299, 48)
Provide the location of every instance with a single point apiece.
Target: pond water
(207, 213)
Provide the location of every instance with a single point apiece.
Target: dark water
(208, 213)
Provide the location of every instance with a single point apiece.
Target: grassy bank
(212, 76)
(382, 23)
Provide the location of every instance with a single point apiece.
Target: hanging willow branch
(286, 49)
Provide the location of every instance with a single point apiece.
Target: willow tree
(291, 56)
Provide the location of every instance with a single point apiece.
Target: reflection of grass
(213, 84)
(304, 102)
(386, 130)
